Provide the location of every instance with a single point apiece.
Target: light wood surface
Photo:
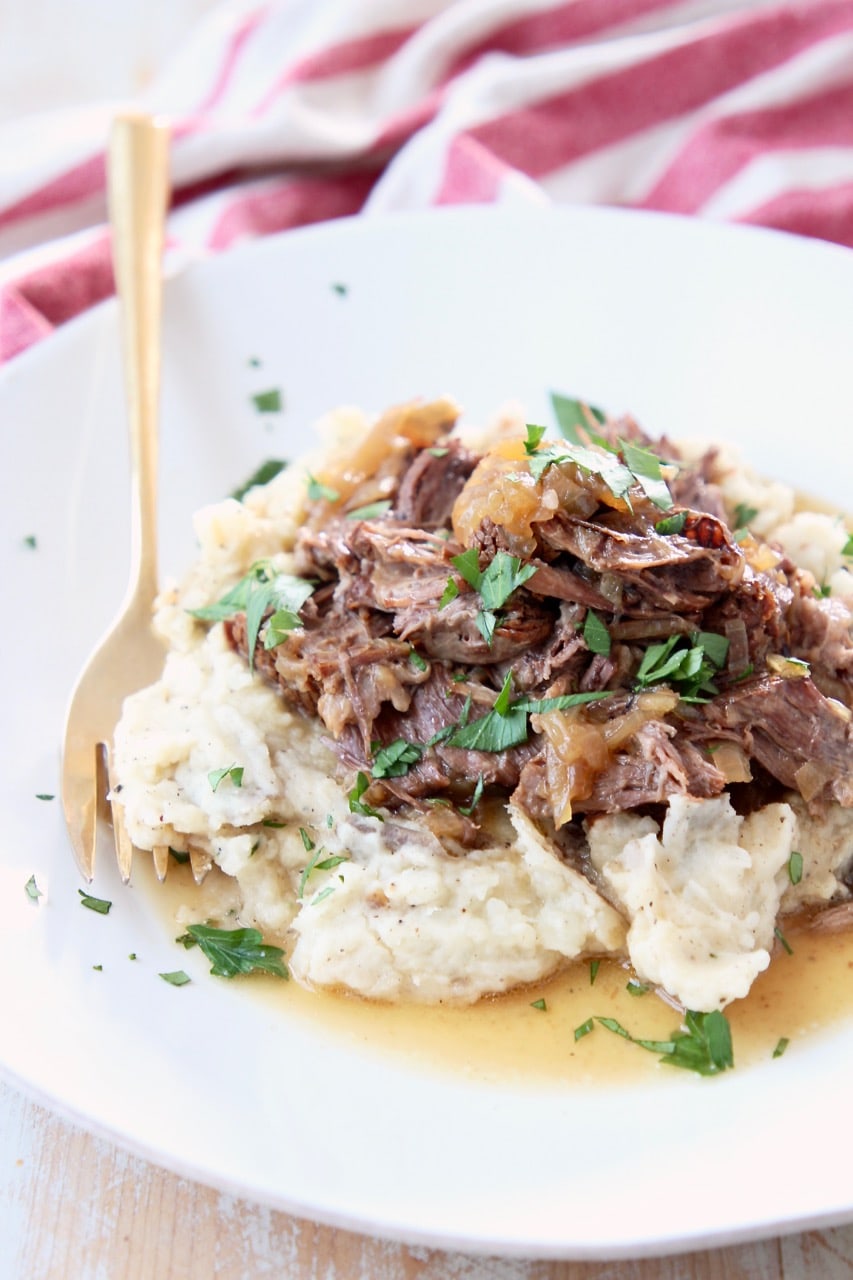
(75, 1207)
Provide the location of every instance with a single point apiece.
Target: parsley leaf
(318, 491)
(781, 1045)
(572, 414)
(233, 951)
(319, 863)
(32, 890)
(450, 592)
(232, 771)
(645, 468)
(267, 401)
(687, 664)
(703, 1045)
(396, 759)
(505, 725)
(672, 524)
(469, 808)
(177, 978)
(419, 663)
(101, 905)
(595, 633)
(265, 472)
(370, 511)
(795, 867)
(847, 549)
(743, 515)
(494, 585)
(356, 804)
(261, 589)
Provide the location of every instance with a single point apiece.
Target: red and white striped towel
(296, 111)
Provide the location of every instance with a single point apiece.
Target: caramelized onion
(576, 752)
(502, 490)
(578, 749)
(811, 779)
(787, 668)
(732, 762)
(737, 656)
(653, 705)
(394, 432)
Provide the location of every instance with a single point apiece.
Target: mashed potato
(380, 908)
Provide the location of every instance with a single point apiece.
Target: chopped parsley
(32, 890)
(635, 988)
(573, 414)
(101, 905)
(847, 549)
(703, 1045)
(645, 468)
(688, 664)
(30, 541)
(786, 946)
(539, 1004)
(672, 524)
(319, 863)
(318, 492)
(584, 1029)
(419, 663)
(594, 966)
(262, 475)
(263, 588)
(396, 759)
(781, 1045)
(371, 510)
(232, 771)
(267, 401)
(450, 592)
(235, 951)
(640, 465)
(743, 516)
(494, 585)
(595, 633)
(177, 978)
(795, 867)
(356, 804)
(44, 795)
(506, 726)
(341, 290)
(468, 809)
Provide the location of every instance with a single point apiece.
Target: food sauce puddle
(512, 1040)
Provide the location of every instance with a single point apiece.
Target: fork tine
(200, 863)
(123, 844)
(160, 854)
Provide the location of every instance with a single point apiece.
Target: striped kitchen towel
(296, 111)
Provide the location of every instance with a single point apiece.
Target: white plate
(693, 327)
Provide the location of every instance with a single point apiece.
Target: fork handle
(138, 192)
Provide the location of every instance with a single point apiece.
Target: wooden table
(75, 1207)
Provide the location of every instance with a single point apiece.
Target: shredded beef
(396, 642)
(432, 484)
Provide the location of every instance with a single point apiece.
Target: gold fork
(129, 655)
